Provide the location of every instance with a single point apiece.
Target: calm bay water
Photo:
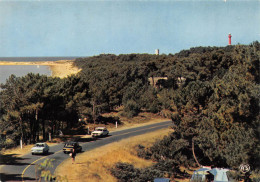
(22, 70)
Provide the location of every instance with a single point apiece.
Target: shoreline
(61, 68)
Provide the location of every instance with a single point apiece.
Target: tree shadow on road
(14, 177)
(79, 139)
(11, 159)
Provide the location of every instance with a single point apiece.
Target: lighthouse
(229, 39)
(156, 51)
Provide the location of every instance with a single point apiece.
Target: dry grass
(17, 151)
(142, 119)
(93, 166)
(128, 125)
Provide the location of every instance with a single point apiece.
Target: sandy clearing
(62, 68)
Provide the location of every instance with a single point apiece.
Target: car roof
(40, 143)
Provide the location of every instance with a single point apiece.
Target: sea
(21, 70)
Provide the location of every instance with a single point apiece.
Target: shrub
(125, 172)
(131, 109)
(141, 152)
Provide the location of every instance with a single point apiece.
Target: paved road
(23, 168)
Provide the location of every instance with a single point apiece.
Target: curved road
(23, 168)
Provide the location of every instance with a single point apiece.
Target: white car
(40, 148)
(100, 131)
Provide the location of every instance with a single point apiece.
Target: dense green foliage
(125, 172)
(211, 94)
(219, 112)
(34, 104)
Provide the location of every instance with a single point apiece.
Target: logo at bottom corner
(244, 168)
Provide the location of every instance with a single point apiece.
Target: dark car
(70, 145)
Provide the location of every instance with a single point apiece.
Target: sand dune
(62, 68)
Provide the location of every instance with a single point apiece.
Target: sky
(87, 27)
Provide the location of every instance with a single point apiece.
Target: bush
(125, 172)
(131, 109)
(141, 152)
(154, 107)
(106, 120)
(8, 143)
(256, 176)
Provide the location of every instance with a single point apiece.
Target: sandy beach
(62, 68)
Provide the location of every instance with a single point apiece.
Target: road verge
(94, 165)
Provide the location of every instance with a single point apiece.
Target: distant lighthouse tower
(157, 52)
(229, 39)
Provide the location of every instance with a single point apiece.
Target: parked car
(100, 131)
(40, 148)
(70, 145)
